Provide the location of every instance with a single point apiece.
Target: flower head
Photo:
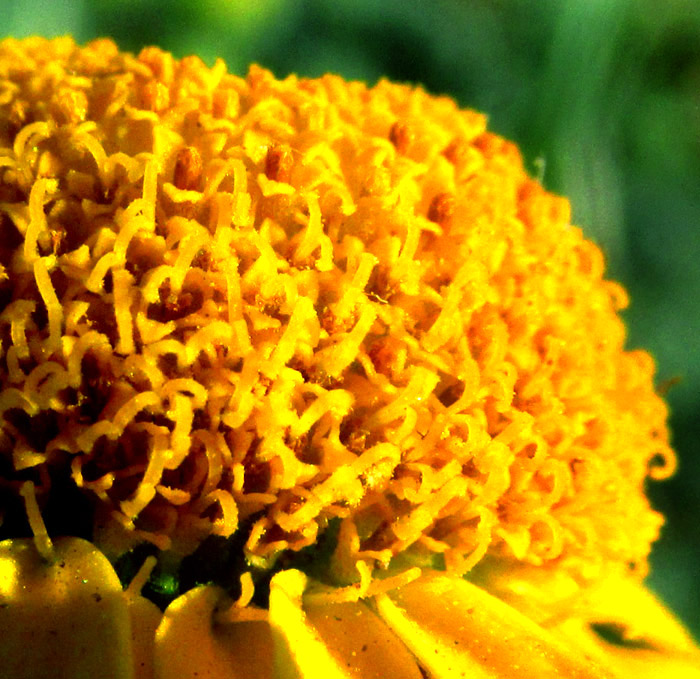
(331, 324)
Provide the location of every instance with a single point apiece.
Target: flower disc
(261, 308)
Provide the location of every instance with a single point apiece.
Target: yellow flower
(334, 361)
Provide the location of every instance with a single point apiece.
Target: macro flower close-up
(303, 377)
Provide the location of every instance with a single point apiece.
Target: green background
(603, 97)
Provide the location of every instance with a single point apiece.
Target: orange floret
(244, 304)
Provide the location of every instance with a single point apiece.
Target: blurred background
(603, 97)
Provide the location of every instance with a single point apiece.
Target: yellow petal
(623, 625)
(456, 629)
(360, 641)
(191, 644)
(300, 652)
(145, 617)
(63, 619)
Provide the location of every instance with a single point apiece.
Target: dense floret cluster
(250, 305)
